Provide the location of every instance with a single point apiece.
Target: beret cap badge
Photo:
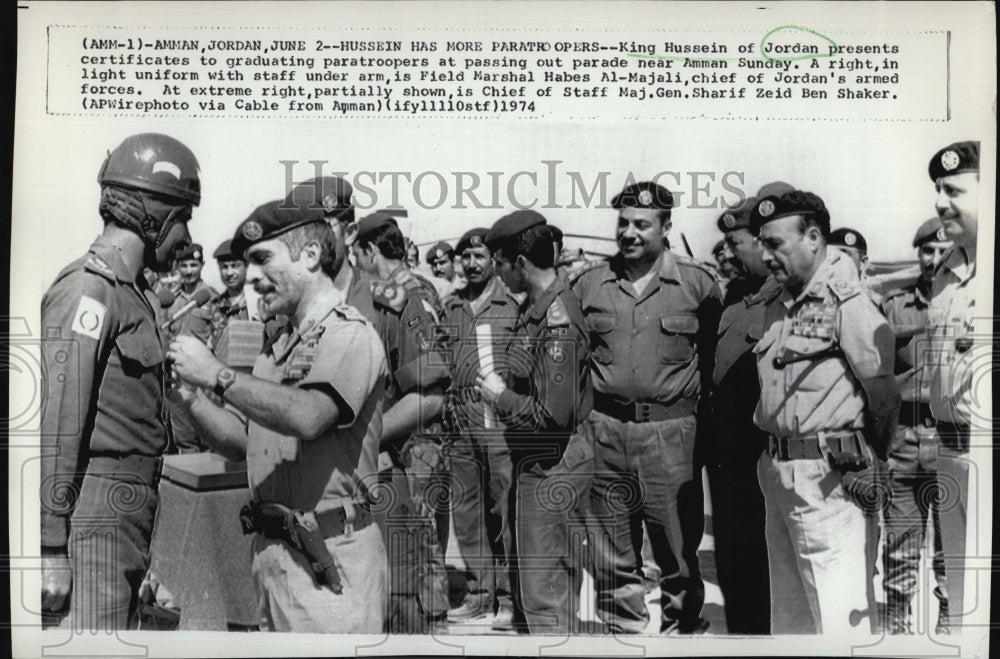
(850, 240)
(941, 234)
(950, 160)
(729, 220)
(766, 208)
(330, 203)
(645, 197)
(252, 231)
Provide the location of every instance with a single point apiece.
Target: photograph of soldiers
(104, 425)
(308, 421)
(829, 404)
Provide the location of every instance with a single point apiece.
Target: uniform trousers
(953, 487)
(110, 533)
(817, 544)
(481, 474)
(644, 472)
(290, 599)
(913, 491)
(551, 530)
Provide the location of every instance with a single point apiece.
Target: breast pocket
(601, 325)
(677, 340)
(139, 382)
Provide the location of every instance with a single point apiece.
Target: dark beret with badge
(954, 159)
(931, 230)
(736, 217)
(796, 202)
(331, 194)
(224, 252)
(439, 250)
(472, 238)
(511, 225)
(369, 224)
(192, 252)
(849, 238)
(644, 195)
(270, 220)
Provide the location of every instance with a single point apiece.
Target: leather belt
(333, 522)
(811, 447)
(953, 436)
(915, 414)
(640, 411)
(146, 468)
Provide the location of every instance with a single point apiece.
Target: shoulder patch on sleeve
(97, 264)
(556, 315)
(89, 318)
(388, 295)
(844, 290)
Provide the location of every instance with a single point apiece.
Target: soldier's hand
(193, 361)
(490, 387)
(57, 581)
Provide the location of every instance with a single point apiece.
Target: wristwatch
(223, 381)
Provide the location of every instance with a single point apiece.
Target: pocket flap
(680, 323)
(140, 348)
(602, 323)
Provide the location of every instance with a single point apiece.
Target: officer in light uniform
(104, 420)
(548, 396)
(307, 420)
(828, 398)
(232, 304)
(952, 350)
(653, 317)
(198, 323)
(479, 458)
(411, 400)
(734, 443)
(913, 462)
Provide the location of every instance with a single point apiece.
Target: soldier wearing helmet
(104, 416)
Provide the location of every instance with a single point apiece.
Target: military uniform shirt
(198, 322)
(340, 354)
(550, 366)
(651, 347)
(841, 337)
(906, 311)
(103, 379)
(405, 327)
(457, 340)
(950, 319)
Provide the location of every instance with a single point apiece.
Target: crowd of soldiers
(561, 417)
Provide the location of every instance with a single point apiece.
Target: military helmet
(155, 163)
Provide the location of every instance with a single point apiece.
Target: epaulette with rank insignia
(556, 315)
(574, 272)
(97, 264)
(388, 295)
(347, 312)
(844, 290)
(690, 260)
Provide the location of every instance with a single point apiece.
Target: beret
(512, 224)
(930, 230)
(774, 189)
(848, 238)
(644, 195)
(224, 252)
(370, 223)
(441, 249)
(736, 217)
(954, 159)
(795, 202)
(472, 238)
(192, 251)
(272, 219)
(331, 194)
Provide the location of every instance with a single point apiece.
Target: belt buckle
(643, 412)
